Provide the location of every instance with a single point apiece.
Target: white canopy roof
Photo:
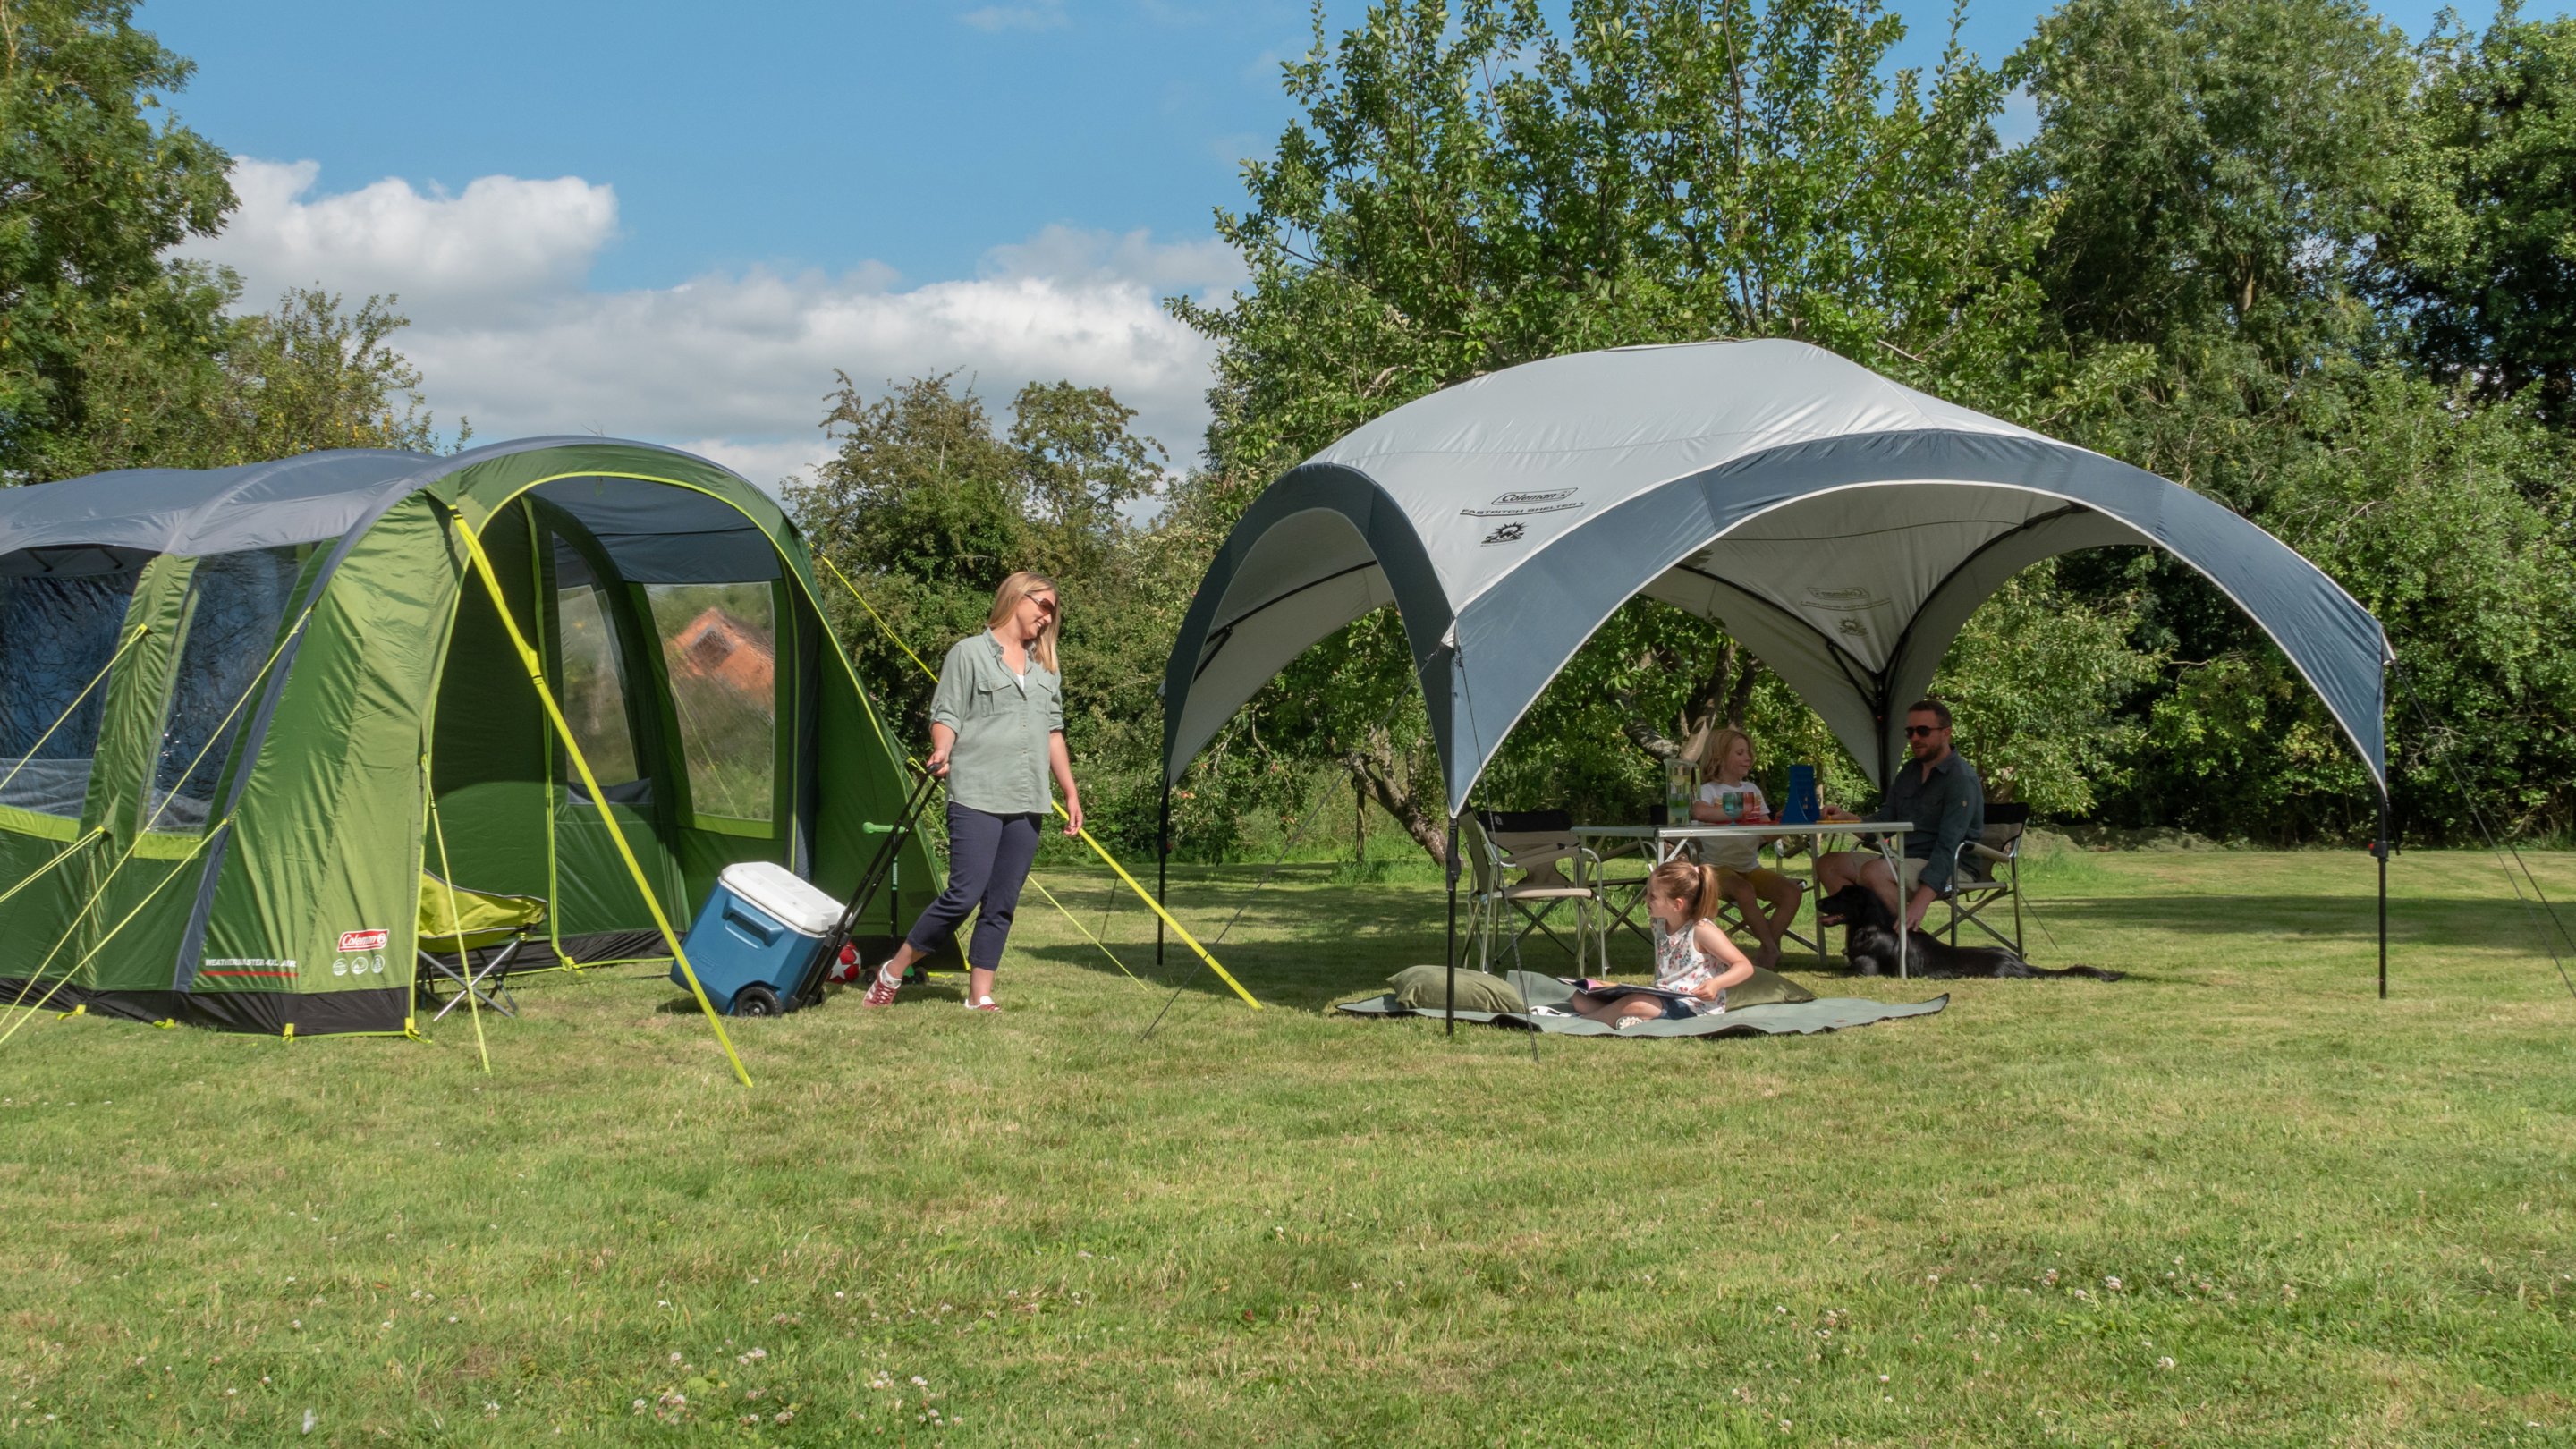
(1842, 526)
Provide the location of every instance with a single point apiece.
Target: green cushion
(1426, 988)
(1767, 988)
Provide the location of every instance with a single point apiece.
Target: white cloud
(732, 365)
(1038, 15)
(483, 253)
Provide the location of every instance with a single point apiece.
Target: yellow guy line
(99, 892)
(1097, 848)
(60, 856)
(598, 797)
(136, 633)
(873, 614)
(92, 954)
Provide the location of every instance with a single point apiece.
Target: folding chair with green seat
(1977, 884)
(485, 924)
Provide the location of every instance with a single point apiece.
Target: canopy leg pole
(1450, 954)
(2382, 851)
(1162, 867)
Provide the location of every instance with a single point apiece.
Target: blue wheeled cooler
(756, 938)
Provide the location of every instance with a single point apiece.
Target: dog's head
(1855, 905)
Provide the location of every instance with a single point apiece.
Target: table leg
(1896, 867)
(1816, 894)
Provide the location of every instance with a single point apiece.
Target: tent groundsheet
(1802, 1018)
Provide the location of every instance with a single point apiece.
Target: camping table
(1667, 841)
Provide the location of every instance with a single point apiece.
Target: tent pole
(1162, 867)
(2382, 852)
(1451, 952)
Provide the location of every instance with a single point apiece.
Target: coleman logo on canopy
(364, 940)
(1514, 505)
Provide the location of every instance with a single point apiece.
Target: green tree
(2477, 258)
(1472, 187)
(93, 194)
(309, 375)
(2211, 168)
(927, 503)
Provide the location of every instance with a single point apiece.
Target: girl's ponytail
(1694, 885)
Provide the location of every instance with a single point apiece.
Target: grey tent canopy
(1839, 525)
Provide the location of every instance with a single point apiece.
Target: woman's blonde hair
(1007, 598)
(1695, 886)
(1720, 744)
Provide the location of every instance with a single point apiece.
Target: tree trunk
(1721, 698)
(1375, 770)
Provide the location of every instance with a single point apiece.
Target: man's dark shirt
(1946, 809)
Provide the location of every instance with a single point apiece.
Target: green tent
(242, 710)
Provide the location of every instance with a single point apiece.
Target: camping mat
(1829, 1013)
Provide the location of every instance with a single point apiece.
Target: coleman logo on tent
(1508, 533)
(1514, 505)
(364, 940)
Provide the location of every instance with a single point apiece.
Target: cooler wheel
(755, 1001)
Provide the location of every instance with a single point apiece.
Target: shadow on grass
(1312, 938)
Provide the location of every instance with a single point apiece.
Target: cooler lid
(776, 890)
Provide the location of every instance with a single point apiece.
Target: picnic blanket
(1831, 1013)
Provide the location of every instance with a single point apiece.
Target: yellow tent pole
(1177, 928)
(456, 918)
(529, 660)
(1103, 851)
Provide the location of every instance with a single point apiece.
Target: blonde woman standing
(996, 734)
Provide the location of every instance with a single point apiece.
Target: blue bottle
(1801, 807)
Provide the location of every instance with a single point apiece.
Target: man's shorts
(1909, 870)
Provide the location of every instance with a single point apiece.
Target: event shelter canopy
(1839, 525)
(242, 710)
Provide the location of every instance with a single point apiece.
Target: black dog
(1869, 944)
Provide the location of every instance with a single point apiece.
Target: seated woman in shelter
(1694, 965)
(1728, 796)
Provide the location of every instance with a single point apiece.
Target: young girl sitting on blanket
(1694, 965)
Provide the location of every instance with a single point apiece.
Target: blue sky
(755, 194)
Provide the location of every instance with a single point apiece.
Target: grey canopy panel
(215, 510)
(1839, 525)
(111, 522)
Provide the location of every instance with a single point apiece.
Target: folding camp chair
(1536, 844)
(1977, 885)
(486, 924)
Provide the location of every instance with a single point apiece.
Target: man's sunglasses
(1916, 732)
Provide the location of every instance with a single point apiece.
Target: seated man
(1938, 791)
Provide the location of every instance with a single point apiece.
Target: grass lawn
(2231, 1200)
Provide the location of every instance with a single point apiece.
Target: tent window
(236, 603)
(592, 669)
(56, 635)
(720, 647)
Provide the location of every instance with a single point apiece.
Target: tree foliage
(93, 194)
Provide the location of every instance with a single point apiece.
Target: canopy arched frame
(1532, 616)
